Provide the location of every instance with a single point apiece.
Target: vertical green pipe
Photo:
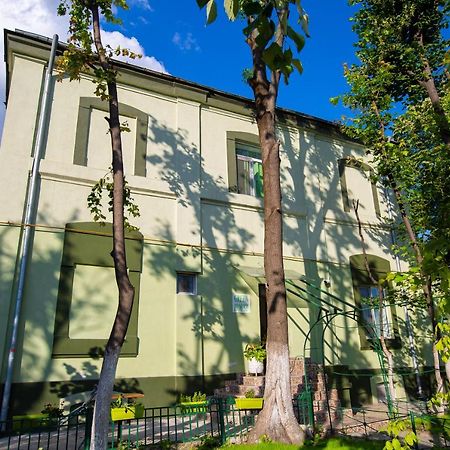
(76, 430)
(223, 436)
(87, 428)
(413, 426)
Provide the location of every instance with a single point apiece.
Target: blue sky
(215, 55)
(172, 36)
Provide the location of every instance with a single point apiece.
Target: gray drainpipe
(409, 331)
(28, 226)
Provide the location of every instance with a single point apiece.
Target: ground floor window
(372, 315)
(186, 283)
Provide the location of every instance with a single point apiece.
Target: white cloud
(144, 4)
(117, 39)
(39, 16)
(186, 43)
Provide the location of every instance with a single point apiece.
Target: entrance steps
(245, 383)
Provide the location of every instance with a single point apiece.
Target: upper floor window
(249, 171)
(357, 183)
(92, 141)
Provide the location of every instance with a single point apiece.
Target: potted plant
(122, 409)
(197, 403)
(255, 354)
(249, 401)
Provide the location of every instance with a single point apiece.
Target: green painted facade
(180, 160)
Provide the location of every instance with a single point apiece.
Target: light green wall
(190, 221)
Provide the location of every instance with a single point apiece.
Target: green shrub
(196, 397)
(250, 394)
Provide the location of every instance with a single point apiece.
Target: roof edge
(285, 114)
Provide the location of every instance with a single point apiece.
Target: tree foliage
(399, 95)
(267, 20)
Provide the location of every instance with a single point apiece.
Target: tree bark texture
(277, 420)
(429, 85)
(126, 291)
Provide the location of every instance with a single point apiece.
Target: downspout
(25, 246)
(409, 331)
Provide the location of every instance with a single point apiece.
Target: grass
(329, 444)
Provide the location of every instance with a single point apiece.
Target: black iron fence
(220, 419)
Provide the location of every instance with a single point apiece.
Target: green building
(194, 168)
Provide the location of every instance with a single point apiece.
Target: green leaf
(298, 39)
(298, 65)
(251, 8)
(231, 8)
(334, 100)
(304, 22)
(202, 3)
(211, 12)
(272, 56)
(303, 18)
(410, 439)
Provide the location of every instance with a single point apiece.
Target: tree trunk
(430, 87)
(426, 286)
(277, 419)
(126, 291)
(447, 369)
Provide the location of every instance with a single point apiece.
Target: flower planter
(193, 407)
(254, 366)
(249, 403)
(127, 413)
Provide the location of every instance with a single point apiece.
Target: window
(357, 184)
(82, 312)
(371, 313)
(367, 301)
(89, 139)
(186, 283)
(249, 171)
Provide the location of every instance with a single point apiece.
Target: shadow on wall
(311, 172)
(211, 336)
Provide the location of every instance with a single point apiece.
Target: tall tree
(84, 34)
(267, 32)
(401, 52)
(407, 35)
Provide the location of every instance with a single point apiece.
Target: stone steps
(316, 382)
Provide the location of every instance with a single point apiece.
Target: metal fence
(219, 419)
(370, 422)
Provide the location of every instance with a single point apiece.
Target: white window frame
(251, 160)
(375, 315)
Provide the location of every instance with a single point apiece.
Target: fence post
(221, 418)
(88, 427)
(310, 408)
(413, 426)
